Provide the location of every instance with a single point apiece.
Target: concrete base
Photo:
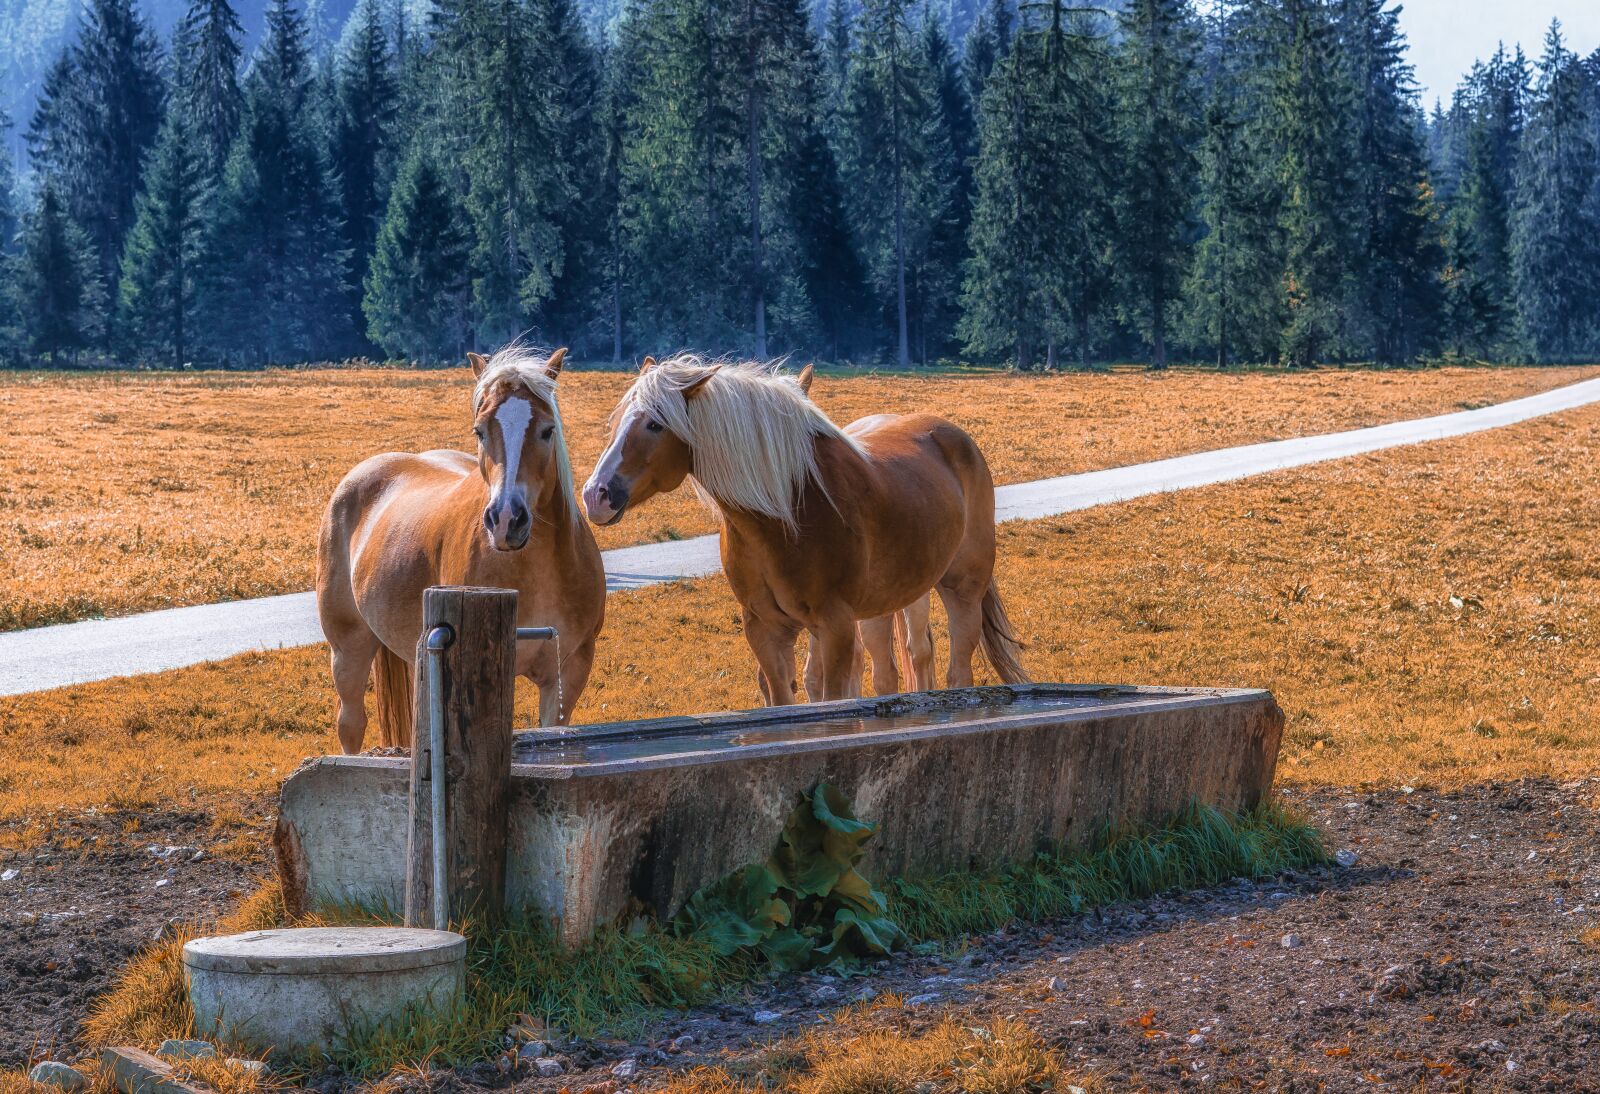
(308, 989)
(633, 818)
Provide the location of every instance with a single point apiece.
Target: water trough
(609, 822)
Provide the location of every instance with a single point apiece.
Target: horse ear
(692, 388)
(807, 374)
(552, 367)
(478, 362)
(649, 363)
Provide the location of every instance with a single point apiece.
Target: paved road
(75, 653)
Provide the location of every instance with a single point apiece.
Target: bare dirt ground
(74, 908)
(1461, 951)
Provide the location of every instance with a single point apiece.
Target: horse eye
(549, 431)
(653, 426)
(477, 431)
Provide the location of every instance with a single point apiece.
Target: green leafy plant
(807, 905)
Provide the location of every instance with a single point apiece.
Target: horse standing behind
(507, 518)
(821, 526)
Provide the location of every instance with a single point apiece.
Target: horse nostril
(488, 518)
(520, 519)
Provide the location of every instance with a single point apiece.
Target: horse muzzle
(509, 525)
(605, 503)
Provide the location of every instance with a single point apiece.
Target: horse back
(915, 448)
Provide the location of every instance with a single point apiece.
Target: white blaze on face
(606, 469)
(513, 416)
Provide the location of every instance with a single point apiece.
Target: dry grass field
(126, 492)
(1425, 616)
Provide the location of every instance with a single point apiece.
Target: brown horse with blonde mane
(822, 527)
(506, 518)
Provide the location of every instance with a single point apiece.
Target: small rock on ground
(548, 1067)
(176, 1049)
(55, 1073)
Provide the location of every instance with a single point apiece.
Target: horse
(821, 527)
(506, 518)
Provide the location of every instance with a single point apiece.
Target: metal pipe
(439, 640)
(535, 634)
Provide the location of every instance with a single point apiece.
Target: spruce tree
(59, 290)
(574, 311)
(1041, 228)
(418, 289)
(100, 114)
(1003, 306)
(160, 264)
(837, 32)
(1555, 224)
(1308, 119)
(364, 137)
(1158, 125)
(11, 333)
(497, 78)
(895, 158)
(1396, 299)
(987, 42)
(936, 276)
(212, 100)
(9, 221)
(273, 287)
(1494, 102)
(611, 257)
(684, 184)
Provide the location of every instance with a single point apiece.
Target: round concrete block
(310, 988)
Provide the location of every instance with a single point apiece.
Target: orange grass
(1424, 615)
(863, 1053)
(123, 492)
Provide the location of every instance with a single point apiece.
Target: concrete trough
(613, 821)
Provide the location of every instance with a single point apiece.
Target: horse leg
(840, 654)
(878, 636)
(773, 645)
(352, 653)
(918, 642)
(964, 608)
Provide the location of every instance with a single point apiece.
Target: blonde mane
(752, 430)
(525, 367)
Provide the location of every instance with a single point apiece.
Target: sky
(1448, 35)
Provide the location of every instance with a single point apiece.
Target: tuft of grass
(1199, 848)
(1000, 1057)
(518, 972)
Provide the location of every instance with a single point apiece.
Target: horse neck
(842, 472)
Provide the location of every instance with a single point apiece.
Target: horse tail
(1000, 646)
(393, 695)
(902, 653)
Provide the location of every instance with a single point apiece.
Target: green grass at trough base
(519, 975)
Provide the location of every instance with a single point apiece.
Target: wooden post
(478, 687)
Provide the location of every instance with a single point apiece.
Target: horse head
(644, 456)
(521, 452)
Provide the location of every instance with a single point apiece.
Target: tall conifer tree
(274, 285)
(209, 36)
(1158, 125)
(418, 289)
(160, 264)
(1555, 224)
